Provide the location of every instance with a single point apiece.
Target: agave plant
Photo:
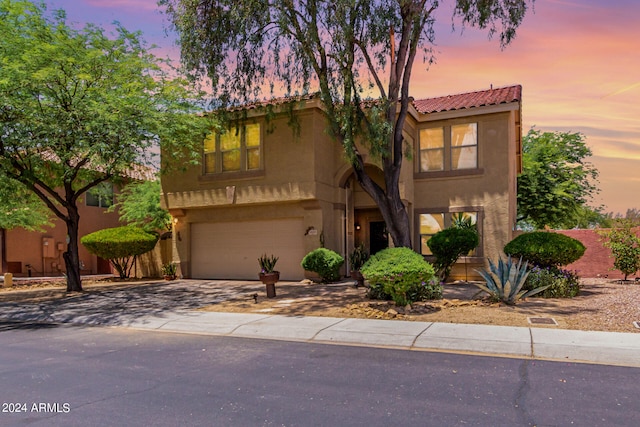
(504, 281)
(267, 263)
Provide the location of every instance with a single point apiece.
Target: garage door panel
(230, 250)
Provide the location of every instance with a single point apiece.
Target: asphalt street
(63, 375)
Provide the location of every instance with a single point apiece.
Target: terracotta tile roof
(137, 171)
(495, 96)
(274, 102)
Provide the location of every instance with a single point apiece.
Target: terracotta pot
(270, 279)
(169, 277)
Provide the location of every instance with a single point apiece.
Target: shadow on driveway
(126, 305)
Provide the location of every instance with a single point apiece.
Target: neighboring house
(32, 253)
(264, 189)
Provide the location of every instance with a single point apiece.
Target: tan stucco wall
(490, 188)
(288, 172)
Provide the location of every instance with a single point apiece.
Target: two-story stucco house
(264, 189)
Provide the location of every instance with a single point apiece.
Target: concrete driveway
(124, 304)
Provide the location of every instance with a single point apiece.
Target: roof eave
(471, 111)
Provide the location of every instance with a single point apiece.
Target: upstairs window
(431, 149)
(233, 151)
(464, 146)
(448, 148)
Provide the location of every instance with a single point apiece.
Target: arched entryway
(364, 222)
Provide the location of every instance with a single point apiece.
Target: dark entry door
(378, 239)
(104, 266)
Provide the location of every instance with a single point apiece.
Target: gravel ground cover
(602, 305)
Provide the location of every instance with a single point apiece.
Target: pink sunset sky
(578, 62)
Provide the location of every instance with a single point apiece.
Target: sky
(577, 61)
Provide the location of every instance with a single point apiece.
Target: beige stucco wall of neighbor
(150, 264)
(27, 247)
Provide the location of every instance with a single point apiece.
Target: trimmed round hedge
(545, 249)
(402, 275)
(450, 244)
(119, 242)
(325, 262)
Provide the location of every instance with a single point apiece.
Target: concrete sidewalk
(537, 343)
(173, 307)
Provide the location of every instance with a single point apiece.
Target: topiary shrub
(545, 249)
(450, 244)
(402, 275)
(120, 245)
(325, 262)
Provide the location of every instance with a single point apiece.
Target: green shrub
(169, 269)
(545, 249)
(120, 245)
(450, 244)
(402, 275)
(505, 281)
(376, 291)
(325, 262)
(560, 283)
(625, 247)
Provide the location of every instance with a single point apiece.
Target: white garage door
(230, 250)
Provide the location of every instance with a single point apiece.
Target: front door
(378, 236)
(103, 266)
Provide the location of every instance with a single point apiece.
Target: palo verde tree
(556, 180)
(139, 204)
(350, 51)
(79, 107)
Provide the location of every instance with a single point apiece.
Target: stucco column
(180, 247)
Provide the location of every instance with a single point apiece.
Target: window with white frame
(445, 148)
(433, 222)
(237, 149)
(464, 146)
(431, 149)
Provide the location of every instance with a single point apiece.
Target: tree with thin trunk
(350, 51)
(624, 243)
(79, 107)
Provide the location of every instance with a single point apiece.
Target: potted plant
(268, 275)
(169, 271)
(357, 258)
